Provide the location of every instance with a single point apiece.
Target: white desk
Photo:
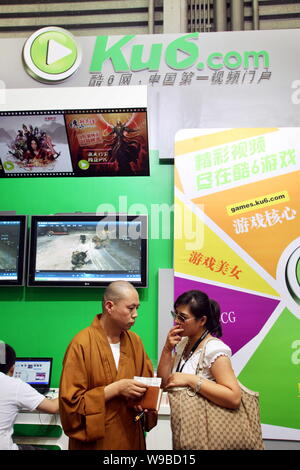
(160, 437)
(42, 419)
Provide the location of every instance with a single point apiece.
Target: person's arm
(30, 399)
(224, 392)
(167, 359)
(49, 406)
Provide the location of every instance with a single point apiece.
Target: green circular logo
(83, 164)
(51, 55)
(298, 271)
(8, 166)
(292, 275)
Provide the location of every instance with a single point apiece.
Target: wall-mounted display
(67, 132)
(12, 249)
(34, 144)
(110, 143)
(92, 142)
(88, 250)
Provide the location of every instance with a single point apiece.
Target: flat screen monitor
(36, 371)
(88, 250)
(12, 249)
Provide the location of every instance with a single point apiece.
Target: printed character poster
(34, 143)
(109, 143)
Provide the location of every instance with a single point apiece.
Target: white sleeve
(215, 349)
(27, 397)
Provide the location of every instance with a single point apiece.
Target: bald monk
(97, 390)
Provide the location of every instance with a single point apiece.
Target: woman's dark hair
(29, 140)
(9, 359)
(200, 304)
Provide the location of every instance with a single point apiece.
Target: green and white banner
(230, 79)
(238, 189)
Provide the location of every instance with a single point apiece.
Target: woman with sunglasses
(197, 319)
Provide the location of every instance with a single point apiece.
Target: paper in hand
(152, 397)
(150, 381)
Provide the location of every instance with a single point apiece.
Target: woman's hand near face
(166, 359)
(174, 337)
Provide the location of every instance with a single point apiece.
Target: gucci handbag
(198, 423)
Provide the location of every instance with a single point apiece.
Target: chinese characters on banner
(220, 77)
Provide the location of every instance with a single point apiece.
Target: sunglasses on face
(179, 316)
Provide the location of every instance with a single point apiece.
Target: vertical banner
(237, 237)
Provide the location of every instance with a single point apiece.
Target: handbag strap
(200, 366)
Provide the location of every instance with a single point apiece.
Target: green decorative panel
(42, 321)
(37, 430)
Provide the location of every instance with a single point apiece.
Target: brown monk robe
(89, 421)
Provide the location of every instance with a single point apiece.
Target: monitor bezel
(31, 282)
(20, 281)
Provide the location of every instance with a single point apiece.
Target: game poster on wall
(74, 143)
(239, 188)
(34, 144)
(109, 143)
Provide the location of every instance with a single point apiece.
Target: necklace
(179, 369)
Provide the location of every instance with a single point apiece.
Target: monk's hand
(139, 409)
(136, 408)
(178, 379)
(131, 389)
